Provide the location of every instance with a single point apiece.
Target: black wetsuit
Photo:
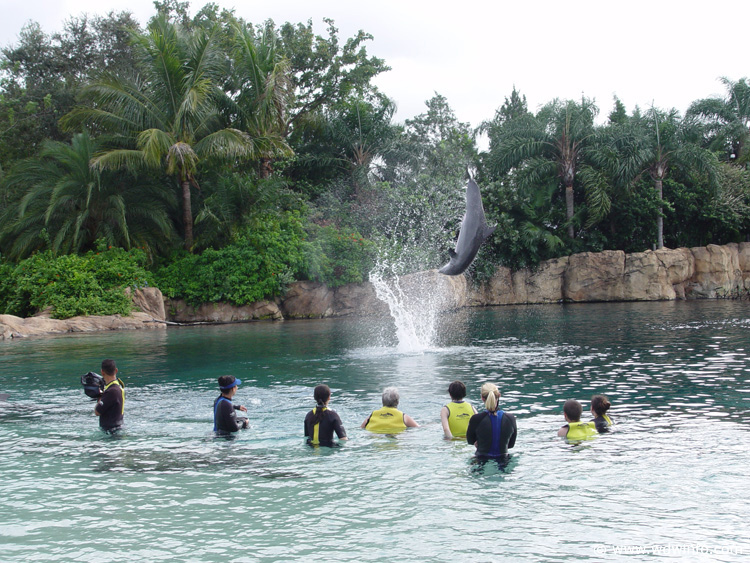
(602, 424)
(480, 431)
(225, 419)
(110, 407)
(329, 424)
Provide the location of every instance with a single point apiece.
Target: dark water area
(668, 481)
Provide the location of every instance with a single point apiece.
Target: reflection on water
(670, 472)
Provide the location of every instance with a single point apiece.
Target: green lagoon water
(670, 482)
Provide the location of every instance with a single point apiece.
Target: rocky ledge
(684, 273)
(150, 315)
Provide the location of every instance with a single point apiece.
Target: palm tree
(167, 117)
(667, 143)
(264, 94)
(76, 204)
(727, 120)
(555, 142)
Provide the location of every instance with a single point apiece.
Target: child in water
(575, 429)
(321, 422)
(599, 407)
(455, 415)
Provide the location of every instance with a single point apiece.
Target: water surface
(672, 474)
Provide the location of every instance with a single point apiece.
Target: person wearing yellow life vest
(111, 405)
(388, 419)
(455, 416)
(599, 407)
(575, 429)
(321, 422)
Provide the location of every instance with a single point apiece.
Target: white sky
(662, 52)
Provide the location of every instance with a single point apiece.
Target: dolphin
(474, 231)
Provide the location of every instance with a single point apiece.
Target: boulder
(149, 300)
(595, 276)
(179, 311)
(717, 271)
(307, 299)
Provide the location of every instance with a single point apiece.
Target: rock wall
(684, 273)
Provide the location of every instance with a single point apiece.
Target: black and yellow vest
(458, 417)
(314, 439)
(386, 420)
(119, 383)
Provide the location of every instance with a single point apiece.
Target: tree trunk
(659, 218)
(265, 168)
(187, 215)
(569, 209)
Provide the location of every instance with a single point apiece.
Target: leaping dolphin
(474, 231)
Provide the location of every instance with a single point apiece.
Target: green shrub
(337, 257)
(72, 285)
(258, 265)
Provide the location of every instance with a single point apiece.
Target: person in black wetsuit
(225, 418)
(111, 405)
(321, 422)
(492, 431)
(599, 407)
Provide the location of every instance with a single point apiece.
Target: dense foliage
(73, 284)
(232, 158)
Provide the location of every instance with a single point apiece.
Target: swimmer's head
(600, 405)
(490, 395)
(321, 394)
(457, 390)
(109, 368)
(227, 382)
(572, 410)
(390, 397)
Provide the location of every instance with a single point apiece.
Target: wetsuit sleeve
(225, 419)
(514, 432)
(307, 418)
(106, 402)
(471, 430)
(338, 427)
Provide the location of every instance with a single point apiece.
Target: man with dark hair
(575, 429)
(225, 419)
(111, 406)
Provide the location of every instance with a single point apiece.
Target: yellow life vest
(581, 430)
(314, 438)
(609, 420)
(458, 417)
(386, 420)
(118, 382)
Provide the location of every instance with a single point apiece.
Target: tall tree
(667, 142)
(263, 90)
(166, 118)
(553, 142)
(727, 120)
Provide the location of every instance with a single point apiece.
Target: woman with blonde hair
(492, 431)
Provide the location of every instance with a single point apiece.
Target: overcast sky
(662, 52)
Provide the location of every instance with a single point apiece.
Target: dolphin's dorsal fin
(489, 230)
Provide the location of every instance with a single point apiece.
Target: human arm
(364, 424)
(514, 433)
(444, 413)
(242, 408)
(410, 422)
(471, 431)
(338, 427)
(563, 431)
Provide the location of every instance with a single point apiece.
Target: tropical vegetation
(222, 160)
